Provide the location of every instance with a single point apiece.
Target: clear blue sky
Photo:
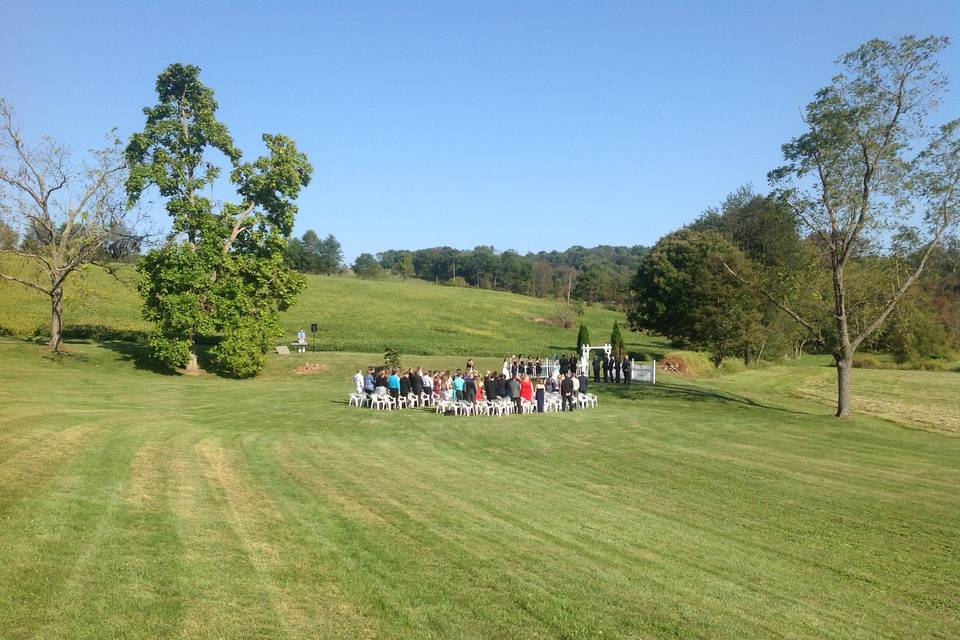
(524, 125)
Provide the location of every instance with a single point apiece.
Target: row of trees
(864, 203)
(596, 275)
(312, 254)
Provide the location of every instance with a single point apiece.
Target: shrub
(391, 357)
(867, 362)
(583, 336)
(564, 315)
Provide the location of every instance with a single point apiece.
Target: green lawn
(139, 505)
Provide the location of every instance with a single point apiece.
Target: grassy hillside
(353, 314)
(137, 505)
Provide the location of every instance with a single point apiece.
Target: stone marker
(283, 350)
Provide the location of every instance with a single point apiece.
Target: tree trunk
(844, 354)
(56, 320)
(844, 365)
(192, 366)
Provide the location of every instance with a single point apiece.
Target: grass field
(138, 505)
(353, 315)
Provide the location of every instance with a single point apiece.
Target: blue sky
(523, 125)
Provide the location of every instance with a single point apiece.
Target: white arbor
(646, 372)
(584, 367)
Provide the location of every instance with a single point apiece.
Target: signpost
(313, 330)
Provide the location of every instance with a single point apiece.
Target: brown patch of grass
(309, 368)
(147, 477)
(31, 466)
(917, 399)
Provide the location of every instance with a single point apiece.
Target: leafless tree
(66, 211)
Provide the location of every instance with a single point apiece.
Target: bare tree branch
(25, 283)
(807, 325)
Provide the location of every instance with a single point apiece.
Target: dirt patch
(308, 368)
(676, 363)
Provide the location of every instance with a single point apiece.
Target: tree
(311, 243)
(366, 266)
(328, 255)
(296, 256)
(766, 231)
(870, 163)
(589, 285)
(616, 341)
(69, 211)
(683, 292)
(403, 266)
(583, 336)
(221, 271)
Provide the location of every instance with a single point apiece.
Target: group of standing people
(612, 368)
(470, 385)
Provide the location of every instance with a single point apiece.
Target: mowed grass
(414, 316)
(138, 505)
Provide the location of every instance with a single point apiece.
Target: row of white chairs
(381, 400)
(505, 406)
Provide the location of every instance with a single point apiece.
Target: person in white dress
(358, 382)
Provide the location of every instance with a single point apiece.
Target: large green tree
(683, 292)
(766, 230)
(221, 271)
(871, 162)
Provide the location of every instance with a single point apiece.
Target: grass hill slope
(354, 315)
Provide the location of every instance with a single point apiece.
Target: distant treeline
(600, 274)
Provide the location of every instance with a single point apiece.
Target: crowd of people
(469, 384)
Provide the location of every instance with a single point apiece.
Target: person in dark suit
(490, 386)
(597, 363)
(563, 365)
(627, 368)
(469, 387)
(606, 367)
(538, 367)
(416, 382)
(404, 386)
(566, 393)
(616, 369)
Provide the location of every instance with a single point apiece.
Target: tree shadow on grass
(677, 391)
(139, 355)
